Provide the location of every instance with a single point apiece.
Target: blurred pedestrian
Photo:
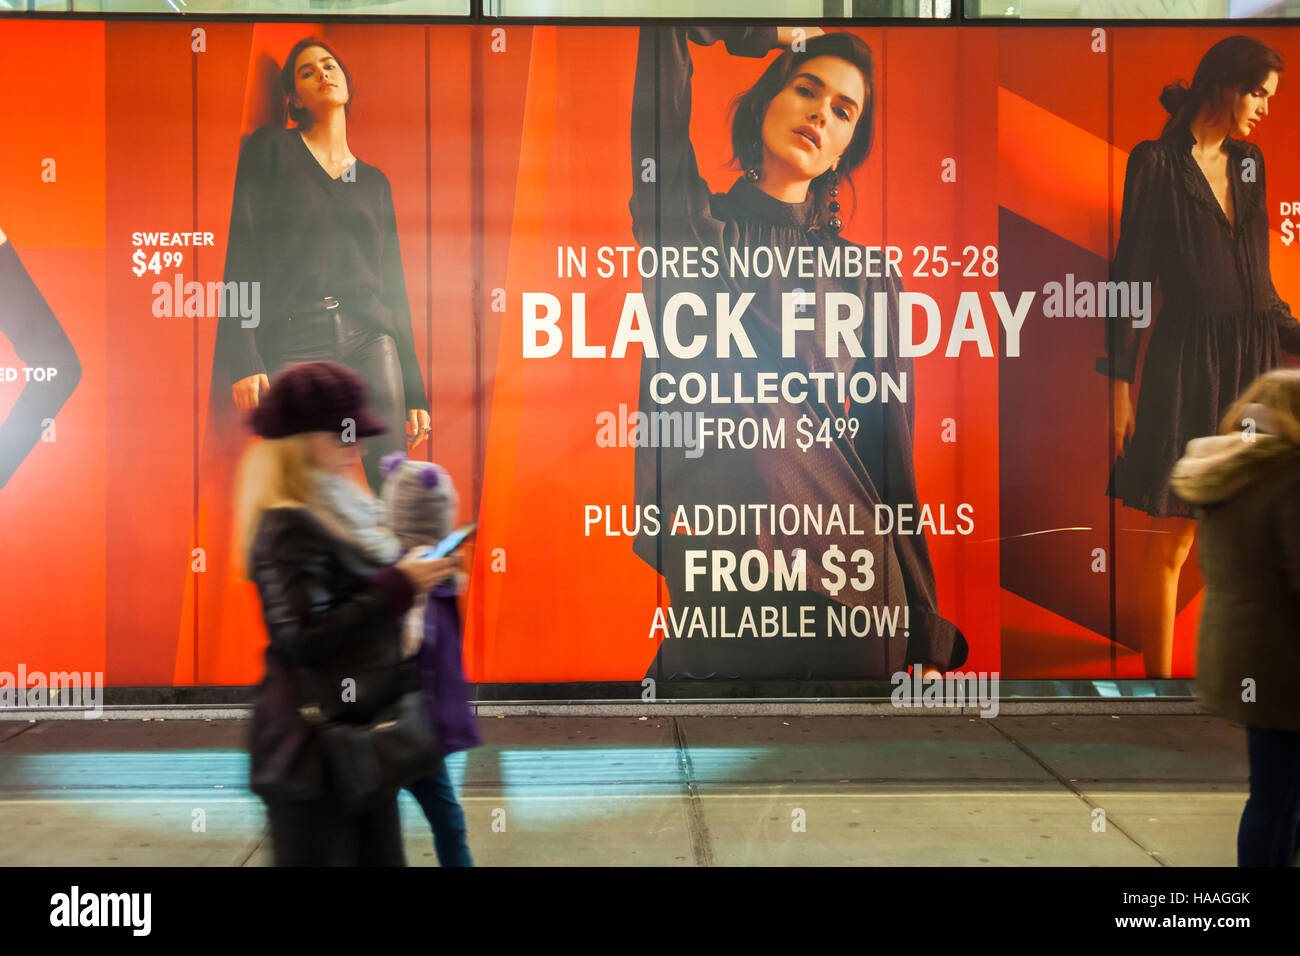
(333, 594)
(421, 505)
(1245, 484)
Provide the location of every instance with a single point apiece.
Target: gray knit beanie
(419, 499)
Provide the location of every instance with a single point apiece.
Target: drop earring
(834, 223)
(751, 171)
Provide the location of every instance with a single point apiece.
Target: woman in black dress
(1195, 223)
(798, 132)
(316, 228)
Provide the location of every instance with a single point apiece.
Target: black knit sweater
(304, 236)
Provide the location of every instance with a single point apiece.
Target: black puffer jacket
(331, 617)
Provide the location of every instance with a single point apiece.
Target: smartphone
(447, 545)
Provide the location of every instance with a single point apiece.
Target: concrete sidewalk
(675, 791)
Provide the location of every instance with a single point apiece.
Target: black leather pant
(335, 337)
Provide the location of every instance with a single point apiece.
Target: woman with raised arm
(798, 133)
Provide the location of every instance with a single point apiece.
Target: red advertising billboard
(756, 353)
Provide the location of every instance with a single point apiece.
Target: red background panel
(150, 361)
(918, 134)
(566, 607)
(52, 510)
(53, 78)
(235, 82)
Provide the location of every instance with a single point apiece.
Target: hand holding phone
(447, 545)
(424, 573)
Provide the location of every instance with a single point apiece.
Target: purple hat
(315, 397)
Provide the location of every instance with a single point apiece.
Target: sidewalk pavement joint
(1070, 785)
(701, 844)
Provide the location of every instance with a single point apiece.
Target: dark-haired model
(315, 226)
(805, 126)
(1195, 221)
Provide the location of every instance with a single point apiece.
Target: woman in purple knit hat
(335, 588)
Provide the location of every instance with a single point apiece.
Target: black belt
(316, 308)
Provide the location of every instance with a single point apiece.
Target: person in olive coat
(1245, 484)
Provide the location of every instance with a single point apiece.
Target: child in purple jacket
(421, 505)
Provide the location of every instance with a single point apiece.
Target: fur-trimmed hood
(1217, 467)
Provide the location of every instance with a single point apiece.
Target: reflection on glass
(814, 10)
(370, 7)
(1131, 9)
(34, 6)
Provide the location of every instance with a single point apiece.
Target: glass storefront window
(627, 9)
(746, 9)
(207, 7)
(1130, 9)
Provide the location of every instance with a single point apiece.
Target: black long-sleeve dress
(304, 235)
(1221, 322)
(677, 209)
(39, 340)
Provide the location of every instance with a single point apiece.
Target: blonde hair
(1277, 391)
(275, 473)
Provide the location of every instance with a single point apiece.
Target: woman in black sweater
(315, 227)
(798, 132)
(1194, 223)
